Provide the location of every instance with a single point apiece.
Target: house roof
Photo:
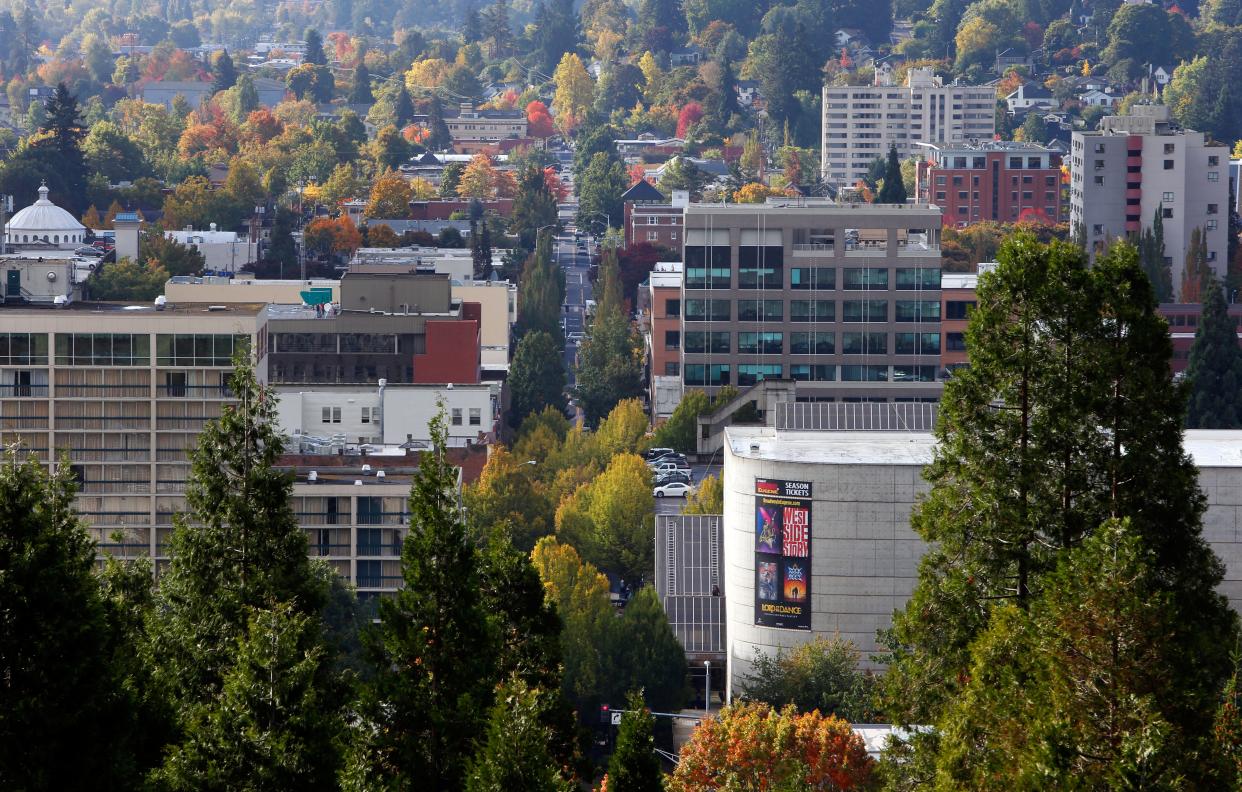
(642, 190)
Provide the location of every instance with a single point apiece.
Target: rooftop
(146, 309)
(819, 206)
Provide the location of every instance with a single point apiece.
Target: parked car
(652, 454)
(668, 467)
(669, 457)
(675, 475)
(674, 489)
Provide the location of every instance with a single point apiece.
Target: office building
(1140, 165)
(861, 122)
(998, 181)
(844, 298)
(474, 130)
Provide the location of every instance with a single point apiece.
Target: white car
(673, 489)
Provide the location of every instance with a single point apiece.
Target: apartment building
(992, 180)
(1141, 165)
(844, 298)
(861, 122)
(663, 334)
(649, 217)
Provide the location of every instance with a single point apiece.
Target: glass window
(864, 278)
(672, 339)
(914, 373)
(672, 308)
(476, 416)
(750, 373)
(760, 343)
(760, 310)
(456, 416)
(701, 374)
(100, 349)
(812, 278)
(864, 310)
(854, 343)
(958, 309)
(200, 349)
(707, 310)
(707, 268)
(812, 343)
(864, 373)
(955, 342)
(701, 342)
(913, 278)
(916, 343)
(812, 311)
(809, 372)
(760, 267)
(917, 311)
(25, 349)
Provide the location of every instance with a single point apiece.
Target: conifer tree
(534, 206)
(609, 360)
(1196, 275)
(517, 750)
(537, 378)
(481, 250)
(894, 189)
(434, 649)
(1151, 254)
(438, 136)
(315, 55)
(634, 766)
(360, 88)
(540, 292)
(223, 71)
(403, 108)
(1215, 367)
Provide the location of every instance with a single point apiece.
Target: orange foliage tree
(262, 126)
(539, 121)
(752, 746)
(335, 235)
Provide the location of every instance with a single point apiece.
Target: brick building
(650, 218)
(1000, 181)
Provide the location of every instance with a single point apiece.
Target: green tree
(171, 255)
(600, 188)
(224, 73)
(97, 56)
(481, 250)
(58, 693)
(1152, 258)
(1066, 417)
(282, 250)
(647, 656)
(433, 649)
(708, 498)
(609, 365)
(541, 293)
(518, 747)
(609, 520)
(682, 174)
(634, 765)
(58, 150)
(314, 49)
(1196, 275)
(537, 378)
(450, 180)
(534, 207)
(438, 135)
(127, 280)
(403, 110)
(1215, 367)
(894, 189)
(680, 431)
(111, 152)
(360, 85)
(821, 675)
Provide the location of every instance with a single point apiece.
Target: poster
(783, 554)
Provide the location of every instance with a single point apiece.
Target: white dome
(43, 215)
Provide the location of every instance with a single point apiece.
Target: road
(577, 264)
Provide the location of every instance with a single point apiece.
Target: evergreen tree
(517, 751)
(1067, 416)
(224, 73)
(599, 193)
(481, 250)
(472, 26)
(282, 250)
(59, 149)
(534, 206)
(57, 690)
(438, 136)
(537, 378)
(555, 33)
(360, 89)
(610, 359)
(645, 653)
(1215, 367)
(496, 29)
(894, 189)
(434, 649)
(541, 293)
(315, 55)
(403, 109)
(634, 766)
(1151, 255)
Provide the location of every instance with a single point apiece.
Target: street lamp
(607, 219)
(707, 700)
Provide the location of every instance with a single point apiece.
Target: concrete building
(861, 122)
(857, 490)
(663, 336)
(844, 298)
(474, 130)
(222, 251)
(43, 226)
(1000, 181)
(1142, 164)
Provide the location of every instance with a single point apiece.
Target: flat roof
(818, 206)
(145, 309)
(1210, 448)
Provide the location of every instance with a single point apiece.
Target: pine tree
(481, 250)
(403, 109)
(537, 376)
(1151, 254)
(1066, 417)
(58, 692)
(282, 250)
(894, 189)
(634, 766)
(315, 55)
(472, 26)
(517, 750)
(360, 89)
(1215, 367)
(224, 73)
(60, 152)
(438, 136)
(434, 649)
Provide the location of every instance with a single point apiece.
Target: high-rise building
(999, 181)
(1141, 165)
(844, 298)
(861, 122)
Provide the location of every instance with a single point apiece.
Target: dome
(44, 222)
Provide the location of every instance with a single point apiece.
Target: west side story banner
(783, 554)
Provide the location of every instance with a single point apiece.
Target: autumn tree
(1196, 275)
(539, 122)
(479, 178)
(707, 498)
(609, 520)
(390, 197)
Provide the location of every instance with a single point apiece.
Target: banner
(783, 554)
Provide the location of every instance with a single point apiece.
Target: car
(668, 467)
(652, 454)
(674, 489)
(682, 476)
(577, 337)
(88, 251)
(668, 456)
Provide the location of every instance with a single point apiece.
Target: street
(577, 264)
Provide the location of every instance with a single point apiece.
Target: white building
(1141, 164)
(861, 122)
(356, 415)
(43, 226)
(222, 251)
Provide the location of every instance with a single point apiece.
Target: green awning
(319, 295)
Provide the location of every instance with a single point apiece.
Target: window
(1211, 225)
(701, 374)
(812, 311)
(916, 343)
(917, 311)
(1167, 197)
(914, 278)
(1213, 160)
(853, 343)
(1097, 229)
(330, 414)
(456, 416)
(707, 267)
(707, 310)
(366, 415)
(174, 385)
(200, 349)
(808, 372)
(672, 339)
(812, 278)
(864, 373)
(671, 368)
(700, 342)
(864, 278)
(864, 310)
(760, 267)
(1168, 164)
(476, 416)
(653, 220)
(955, 342)
(906, 373)
(672, 309)
(760, 310)
(1166, 213)
(102, 349)
(765, 343)
(1213, 176)
(812, 343)
(750, 373)
(653, 236)
(1099, 148)
(1169, 148)
(1213, 208)
(24, 349)
(1099, 179)
(958, 309)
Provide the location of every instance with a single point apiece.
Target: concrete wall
(406, 411)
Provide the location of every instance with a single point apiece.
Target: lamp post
(707, 699)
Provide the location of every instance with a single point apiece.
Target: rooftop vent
(312, 476)
(217, 307)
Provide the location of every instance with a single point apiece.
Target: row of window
(698, 342)
(717, 374)
(812, 310)
(121, 349)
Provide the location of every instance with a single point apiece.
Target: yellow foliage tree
(754, 193)
(653, 77)
(623, 430)
(609, 519)
(478, 180)
(426, 73)
(574, 92)
(581, 596)
(423, 190)
(707, 499)
(390, 197)
(382, 236)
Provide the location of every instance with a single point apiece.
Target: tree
(58, 694)
(751, 746)
(609, 520)
(314, 54)
(539, 123)
(555, 32)
(481, 251)
(517, 750)
(1069, 366)
(821, 675)
(646, 655)
(574, 92)
(360, 86)
(600, 188)
(691, 113)
(224, 73)
(390, 197)
(541, 293)
(623, 430)
(438, 135)
(1196, 275)
(97, 56)
(894, 189)
(682, 174)
(634, 765)
(282, 251)
(609, 365)
(479, 178)
(707, 499)
(680, 431)
(1215, 367)
(403, 113)
(57, 150)
(507, 494)
(534, 207)
(1152, 258)
(126, 280)
(537, 378)
(433, 648)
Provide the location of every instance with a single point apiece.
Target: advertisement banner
(783, 554)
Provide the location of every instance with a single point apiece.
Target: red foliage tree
(539, 121)
(262, 126)
(688, 117)
(555, 186)
(635, 263)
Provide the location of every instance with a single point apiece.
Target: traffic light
(604, 717)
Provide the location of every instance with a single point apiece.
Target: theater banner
(783, 554)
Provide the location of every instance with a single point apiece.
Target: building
(844, 298)
(43, 226)
(1000, 181)
(270, 92)
(474, 130)
(649, 217)
(39, 255)
(1141, 165)
(1029, 95)
(663, 336)
(222, 251)
(1183, 319)
(399, 327)
(854, 491)
(689, 580)
(861, 122)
